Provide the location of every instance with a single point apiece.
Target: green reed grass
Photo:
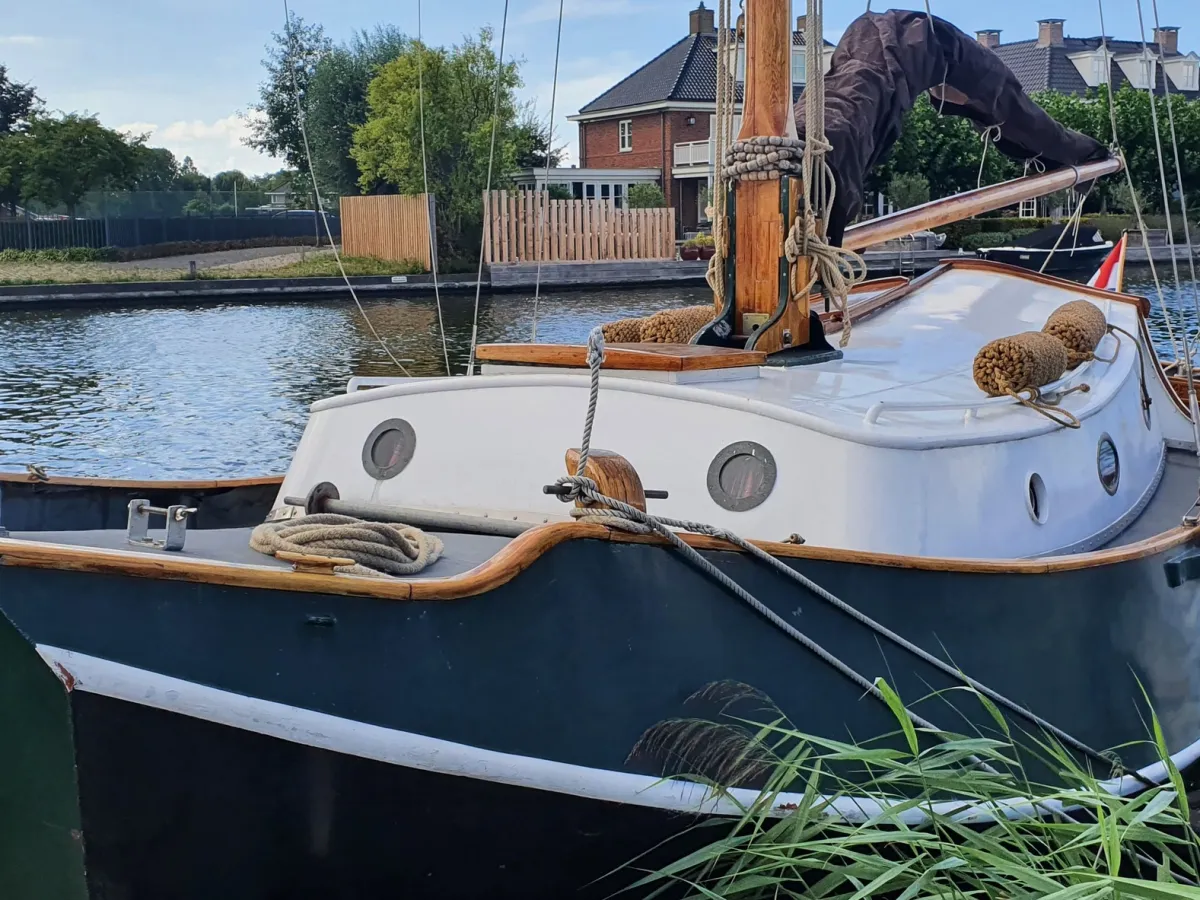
(974, 834)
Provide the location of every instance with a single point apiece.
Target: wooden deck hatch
(629, 357)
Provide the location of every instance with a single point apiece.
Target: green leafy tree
(908, 190)
(646, 196)
(291, 61)
(19, 104)
(532, 142)
(66, 157)
(157, 169)
(460, 85)
(190, 178)
(13, 150)
(336, 104)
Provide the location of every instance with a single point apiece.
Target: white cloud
(213, 146)
(27, 40)
(574, 93)
(547, 10)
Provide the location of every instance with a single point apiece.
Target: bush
(67, 255)
(646, 196)
(181, 248)
(907, 191)
(973, 242)
(701, 240)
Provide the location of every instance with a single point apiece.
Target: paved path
(211, 260)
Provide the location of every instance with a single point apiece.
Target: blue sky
(184, 69)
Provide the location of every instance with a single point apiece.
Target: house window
(1100, 69)
(619, 196)
(626, 135)
(1146, 72)
(605, 192)
(589, 192)
(798, 62)
(1191, 76)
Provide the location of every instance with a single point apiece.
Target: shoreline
(507, 279)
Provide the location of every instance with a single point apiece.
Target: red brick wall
(599, 143)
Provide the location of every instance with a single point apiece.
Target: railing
(693, 153)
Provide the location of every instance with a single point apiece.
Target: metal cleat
(139, 525)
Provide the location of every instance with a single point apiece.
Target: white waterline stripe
(118, 681)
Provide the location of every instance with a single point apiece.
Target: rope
(1133, 194)
(991, 135)
(300, 120)
(726, 98)
(622, 516)
(764, 159)
(488, 190)
(433, 257)
(541, 224)
(838, 269)
(1075, 220)
(378, 549)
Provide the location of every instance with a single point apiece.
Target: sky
(185, 71)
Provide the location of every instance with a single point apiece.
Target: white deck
(914, 476)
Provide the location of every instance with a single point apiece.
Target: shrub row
(150, 251)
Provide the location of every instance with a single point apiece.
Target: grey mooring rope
(624, 517)
(378, 549)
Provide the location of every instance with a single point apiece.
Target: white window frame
(625, 135)
(1191, 75)
(799, 64)
(1101, 69)
(1146, 72)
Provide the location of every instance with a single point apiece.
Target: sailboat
(186, 715)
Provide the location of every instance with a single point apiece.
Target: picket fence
(527, 226)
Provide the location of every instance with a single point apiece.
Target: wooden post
(767, 112)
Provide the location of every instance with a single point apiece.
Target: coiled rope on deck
(668, 326)
(377, 548)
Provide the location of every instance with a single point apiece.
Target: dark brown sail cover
(885, 61)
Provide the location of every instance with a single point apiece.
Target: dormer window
(1190, 76)
(1146, 72)
(1101, 69)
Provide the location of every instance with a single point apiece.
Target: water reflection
(223, 391)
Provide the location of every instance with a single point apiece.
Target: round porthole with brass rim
(389, 449)
(1108, 465)
(742, 476)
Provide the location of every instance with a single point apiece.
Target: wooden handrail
(963, 206)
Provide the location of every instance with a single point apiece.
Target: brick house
(660, 117)
(1069, 65)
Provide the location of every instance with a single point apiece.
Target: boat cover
(1049, 237)
(885, 61)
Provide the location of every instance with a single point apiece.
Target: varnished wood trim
(140, 485)
(630, 357)
(860, 312)
(519, 555)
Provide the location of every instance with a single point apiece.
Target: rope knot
(595, 345)
(577, 487)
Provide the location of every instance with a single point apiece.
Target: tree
(291, 60)
(646, 196)
(13, 149)
(19, 103)
(336, 104)
(157, 169)
(67, 157)
(459, 88)
(907, 191)
(532, 142)
(190, 178)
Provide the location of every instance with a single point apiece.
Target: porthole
(742, 476)
(1036, 500)
(1108, 465)
(389, 449)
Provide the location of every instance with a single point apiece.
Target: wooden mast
(760, 228)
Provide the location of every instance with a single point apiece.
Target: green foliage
(908, 190)
(69, 255)
(700, 241)
(62, 159)
(973, 242)
(459, 91)
(558, 192)
(646, 196)
(19, 104)
(327, 267)
(291, 62)
(918, 814)
(336, 104)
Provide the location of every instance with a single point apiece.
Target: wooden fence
(391, 227)
(572, 230)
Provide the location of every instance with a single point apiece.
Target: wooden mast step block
(614, 475)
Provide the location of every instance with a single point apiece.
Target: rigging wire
(1187, 234)
(429, 218)
(543, 207)
(1133, 194)
(321, 204)
(488, 189)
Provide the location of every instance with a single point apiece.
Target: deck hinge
(139, 525)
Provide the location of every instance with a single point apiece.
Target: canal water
(223, 391)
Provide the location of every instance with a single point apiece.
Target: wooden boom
(963, 206)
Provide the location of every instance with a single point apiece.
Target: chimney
(989, 39)
(1050, 32)
(701, 20)
(801, 23)
(1167, 37)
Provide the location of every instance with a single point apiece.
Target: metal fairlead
(139, 525)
